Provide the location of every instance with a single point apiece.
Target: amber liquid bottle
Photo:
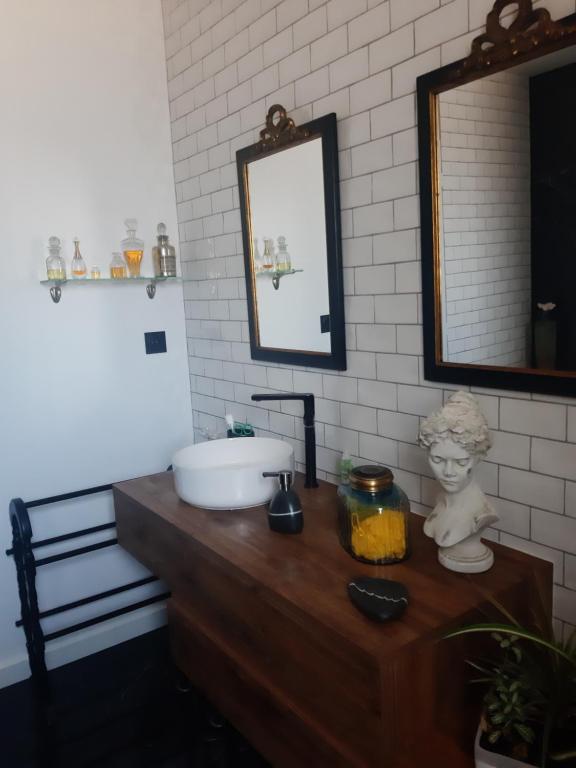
(78, 265)
(132, 248)
(118, 267)
(268, 256)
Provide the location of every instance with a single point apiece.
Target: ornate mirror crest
(530, 29)
(283, 131)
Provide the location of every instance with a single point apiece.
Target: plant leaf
(525, 732)
(518, 632)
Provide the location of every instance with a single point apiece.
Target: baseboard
(88, 641)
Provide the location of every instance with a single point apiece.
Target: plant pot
(485, 759)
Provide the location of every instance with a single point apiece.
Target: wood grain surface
(262, 623)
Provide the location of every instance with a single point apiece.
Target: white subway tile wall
(228, 61)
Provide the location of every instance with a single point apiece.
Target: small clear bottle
(164, 255)
(268, 255)
(118, 270)
(284, 261)
(132, 248)
(95, 273)
(346, 466)
(258, 265)
(55, 264)
(78, 265)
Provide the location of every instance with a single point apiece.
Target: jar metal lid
(371, 478)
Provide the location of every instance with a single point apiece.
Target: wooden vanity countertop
(310, 571)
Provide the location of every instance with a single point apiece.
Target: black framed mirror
(497, 141)
(290, 209)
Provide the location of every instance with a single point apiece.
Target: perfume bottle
(78, 265)
(164, 255)
(258, 265)
(95, 273)
(132, 248)
(268, 255)
(55, 264)
(118, 269)
(284, 261)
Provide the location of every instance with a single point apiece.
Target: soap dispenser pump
(285, 511)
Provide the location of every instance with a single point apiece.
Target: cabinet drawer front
(283, 735)
(333, 684)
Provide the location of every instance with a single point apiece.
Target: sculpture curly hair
(461, 421)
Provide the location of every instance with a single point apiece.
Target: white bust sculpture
(457, 438)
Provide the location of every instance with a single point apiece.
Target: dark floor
(122, 708)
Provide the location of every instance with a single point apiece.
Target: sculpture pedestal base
(450, 558)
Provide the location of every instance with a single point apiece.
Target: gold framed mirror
(290, 210)
(497, 137)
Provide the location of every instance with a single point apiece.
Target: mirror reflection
(289, 264)
(507, 217)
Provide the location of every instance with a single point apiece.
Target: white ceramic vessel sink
(227, 474)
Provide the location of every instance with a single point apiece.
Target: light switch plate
(155, 342)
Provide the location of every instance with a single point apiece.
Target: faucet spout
(309, 430)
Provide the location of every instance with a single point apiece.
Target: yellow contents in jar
(133, 259)
(379, 537)
(118, 273)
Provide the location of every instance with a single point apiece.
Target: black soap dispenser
(285, 511)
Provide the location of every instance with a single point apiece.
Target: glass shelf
(56, 285)
(276, 274)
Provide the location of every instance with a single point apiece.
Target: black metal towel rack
(27, 564)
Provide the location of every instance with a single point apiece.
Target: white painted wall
(485, 182)
(85, 143)
(228, 62)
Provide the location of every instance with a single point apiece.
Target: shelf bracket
(151, 283)
(56, 293)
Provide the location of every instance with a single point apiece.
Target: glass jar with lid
(55, 264)
(373, 516)
(118, 269)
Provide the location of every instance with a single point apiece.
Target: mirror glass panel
(507, 217)
(289, 248)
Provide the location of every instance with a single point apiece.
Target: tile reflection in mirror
(507, 207)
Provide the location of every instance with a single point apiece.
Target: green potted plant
(529, 707)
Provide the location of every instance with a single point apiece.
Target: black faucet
(309, 430)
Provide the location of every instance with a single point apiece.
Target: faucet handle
(285, 476)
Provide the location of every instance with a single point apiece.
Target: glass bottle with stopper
(132, 248)
(164, 255)
(78, 265)
(55, 264)
(284, 261)
(118, 266)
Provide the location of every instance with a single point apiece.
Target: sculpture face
(452, 465)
